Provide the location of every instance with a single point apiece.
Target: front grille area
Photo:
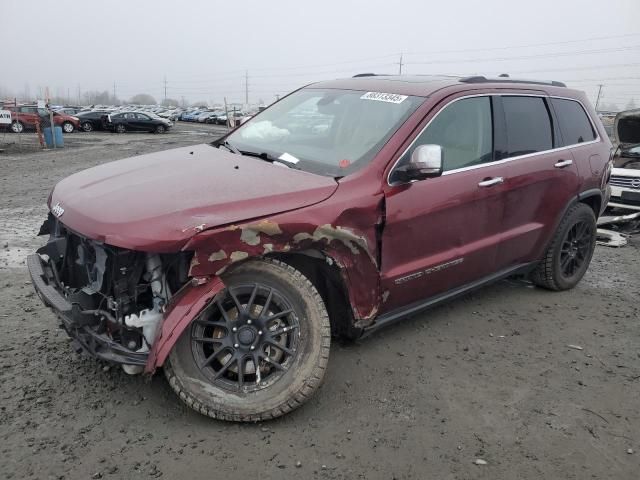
(626, 182)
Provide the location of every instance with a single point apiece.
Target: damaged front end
(110, 300)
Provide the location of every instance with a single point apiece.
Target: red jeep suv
(343, 207)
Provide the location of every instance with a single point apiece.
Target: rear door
(542, 177)
(444, 232)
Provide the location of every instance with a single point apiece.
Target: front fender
(184, 307)
(352, 249)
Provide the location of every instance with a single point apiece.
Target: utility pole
(246, 87)
(114, 92)
(400, 65)
(598, 97)
(78, 94)
(165, 88)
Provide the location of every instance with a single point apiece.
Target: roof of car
(425, 85)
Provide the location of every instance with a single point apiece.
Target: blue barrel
(49, 140)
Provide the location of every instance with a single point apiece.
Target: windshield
(325, 131)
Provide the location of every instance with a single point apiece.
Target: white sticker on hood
(384, 97)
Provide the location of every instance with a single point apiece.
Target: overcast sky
(204, 47)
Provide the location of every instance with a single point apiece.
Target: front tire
(87, 126)
(257, 352)
(568, 257)
(120, 128)
(17, 127)
(160, 129)
(67, 127)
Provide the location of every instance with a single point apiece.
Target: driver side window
(464, 130)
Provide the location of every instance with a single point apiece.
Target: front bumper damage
(74, 320)
(122, 306)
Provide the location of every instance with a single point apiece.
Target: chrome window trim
(504, 160)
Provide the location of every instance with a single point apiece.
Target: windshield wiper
(267, 157)
(229, 147)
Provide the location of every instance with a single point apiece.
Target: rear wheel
(120, 128)
(67, 127)
(258, 351)
(17, 127)
(568, 257)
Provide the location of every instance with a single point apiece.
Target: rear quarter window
(528, 125)
(575, 125)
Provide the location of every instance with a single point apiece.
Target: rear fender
(182, 310)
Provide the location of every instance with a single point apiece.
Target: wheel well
(593, 201)
(324, 274)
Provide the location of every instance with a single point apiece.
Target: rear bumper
(84, 337)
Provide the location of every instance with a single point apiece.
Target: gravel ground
(489, 376)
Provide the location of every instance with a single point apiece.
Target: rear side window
(528, 125)
(574, 122)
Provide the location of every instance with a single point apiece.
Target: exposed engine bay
(116, 297)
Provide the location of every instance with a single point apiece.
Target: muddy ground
(487, 376)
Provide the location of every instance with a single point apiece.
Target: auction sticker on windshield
(384, 97)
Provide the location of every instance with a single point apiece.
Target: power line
(546, 44)
(525, 57)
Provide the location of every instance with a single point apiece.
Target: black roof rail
(505, 79)
(365, 75)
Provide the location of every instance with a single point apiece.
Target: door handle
(563, 163)
(490, 182)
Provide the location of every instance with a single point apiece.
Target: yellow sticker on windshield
(384, 97)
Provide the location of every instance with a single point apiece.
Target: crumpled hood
(156, 202)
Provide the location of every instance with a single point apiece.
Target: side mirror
(425, 162)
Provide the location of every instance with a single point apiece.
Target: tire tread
(297, 398)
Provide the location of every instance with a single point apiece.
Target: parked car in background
(192, 115)
(92, 120)
(69, 123)
(625, 177)
(137, 122)
(213, 118)
(169, 115)
(25, 117)
(230, 265)
(204, 116)
(69, 110)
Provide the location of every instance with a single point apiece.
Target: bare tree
(170, 102)
(143, 99)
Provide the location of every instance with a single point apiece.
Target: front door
(444, 232)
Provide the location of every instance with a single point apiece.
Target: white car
(625, 176)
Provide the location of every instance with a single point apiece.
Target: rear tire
(569, 254)
(207, 382)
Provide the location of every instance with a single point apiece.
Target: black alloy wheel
(258, 350)
(576, 248)
(246, 340)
